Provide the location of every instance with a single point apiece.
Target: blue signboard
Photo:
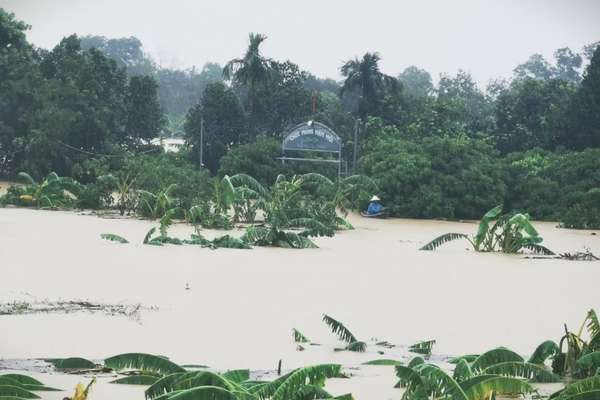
(312, 136)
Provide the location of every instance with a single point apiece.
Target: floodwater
(242, 304)
(4, 185)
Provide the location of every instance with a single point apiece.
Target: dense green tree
(94, 91)
(12, 31)
(416, 82)
(567, 65)
(179, 90)
(546, 184)
(532, 113)
(144, 115)
(535, 67)
(224, 124)
(452, 177)
(331, 112)
(257, 159)
(496, 87)
(461, 107)
(585, 213)
(364, 76)
(127, 52)
(414, 109)
(252, 70)
(58, 108)
(19, 92)
(281, 102)
(584, 130)
(155, 172)
(373, 130)
(313, 83)
(84, 106)
(588, 50)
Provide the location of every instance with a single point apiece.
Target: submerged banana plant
(299, 336)
(19, 386)
(174, 382)
(578, 357)
(156, 205)
(225, 241)
(113, 238)
(424, 347)
(53, 192)
(344, 335)
(510, 233)
(428, 381)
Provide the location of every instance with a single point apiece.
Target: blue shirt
(374, 208)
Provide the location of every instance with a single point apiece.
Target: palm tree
(251, 70)
(364, 75)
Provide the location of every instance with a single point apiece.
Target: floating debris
(67, 307)
(385, 344)
(586, 255)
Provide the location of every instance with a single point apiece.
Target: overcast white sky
(485, 37)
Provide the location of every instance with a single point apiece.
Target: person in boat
(375, 206)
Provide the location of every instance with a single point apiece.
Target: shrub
(450, 177)
(155, 173)
(256, 159)
(547, 184)
(584, 214)
(259, 160)
(99, 194)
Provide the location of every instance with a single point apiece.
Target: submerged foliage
(299, 336)
(344, 335)
(498, 372)
(114, 238)
(19, 386)
(422, 347)
(143, 362)
(53, 192)
(507, 233)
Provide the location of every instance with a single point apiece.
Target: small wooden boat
(381, 214)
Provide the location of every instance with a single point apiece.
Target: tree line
(450, 149)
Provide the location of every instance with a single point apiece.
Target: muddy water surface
(242, 304)
(4, 187)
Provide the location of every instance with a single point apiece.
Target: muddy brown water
(4, 185)
(242, 304)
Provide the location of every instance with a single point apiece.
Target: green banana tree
(156, 205)
(170, 381)
(496, 372)
(127, 195)
(578, 357)
(285, 208)
(344, 334)
(223, 195)
(214, 214)
(308, 202)
(510, 233)
(575, 360)
(19, 386)
(343, 194)
(53, 192)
